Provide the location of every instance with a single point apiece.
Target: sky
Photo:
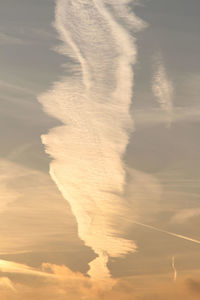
(99, 156)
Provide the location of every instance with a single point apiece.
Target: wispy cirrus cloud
(12, 267)
(7, 39)
(16, 88)
(184, 215)
(162, 88)
(156, 116)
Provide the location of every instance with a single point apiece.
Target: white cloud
(93, 105)
(163, 90)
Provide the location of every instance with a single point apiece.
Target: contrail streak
(169, 233)
(174, 268)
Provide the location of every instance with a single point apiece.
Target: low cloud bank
(60, 283)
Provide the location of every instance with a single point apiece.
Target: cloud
(123, 13)
(12, 267)
(93, 105)
(54, 282)
(6, 283)
(174, 268)
(163, 90)
(32, 212)
(6, 39)
(41, 34)
(7, 195)
(187, 94)
(143, 193)
(156, 117)
(16, 88)
(185, 215)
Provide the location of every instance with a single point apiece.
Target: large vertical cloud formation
(93, 105)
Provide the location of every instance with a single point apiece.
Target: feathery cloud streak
(163, 90)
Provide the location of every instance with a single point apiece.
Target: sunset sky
(99, 156)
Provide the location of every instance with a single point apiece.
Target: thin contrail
(170, 233)
(174, 268)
